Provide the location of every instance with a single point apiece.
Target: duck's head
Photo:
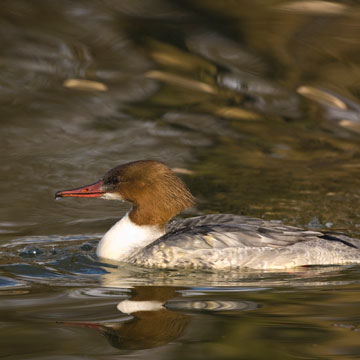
(156, 193)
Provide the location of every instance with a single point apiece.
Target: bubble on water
(86, 246)
(53, 251)
(30, 251)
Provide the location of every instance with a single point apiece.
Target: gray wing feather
(223, 230)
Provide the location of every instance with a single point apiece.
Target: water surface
(255, 105)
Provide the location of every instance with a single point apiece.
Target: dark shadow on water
(256, 104)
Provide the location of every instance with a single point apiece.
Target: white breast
(130, 306)
(125, 238)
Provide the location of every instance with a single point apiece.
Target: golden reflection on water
(256, 103)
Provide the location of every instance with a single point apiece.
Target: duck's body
(225, 241)
(144, 237)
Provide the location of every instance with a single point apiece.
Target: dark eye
(111, 180)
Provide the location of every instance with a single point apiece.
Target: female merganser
(144, 237)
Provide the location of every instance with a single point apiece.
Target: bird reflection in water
(158, 315)
(149, 323)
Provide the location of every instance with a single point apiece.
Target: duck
(147, 305)
(147, 236)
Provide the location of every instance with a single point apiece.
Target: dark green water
(256, 105)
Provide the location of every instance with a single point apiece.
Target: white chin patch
(112, 196)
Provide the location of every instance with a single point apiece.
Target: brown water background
(256, 104)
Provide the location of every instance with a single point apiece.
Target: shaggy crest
(156, 193)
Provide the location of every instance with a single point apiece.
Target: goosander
(145, 237)
(149, 305)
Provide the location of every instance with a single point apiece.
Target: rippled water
(255, 104)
